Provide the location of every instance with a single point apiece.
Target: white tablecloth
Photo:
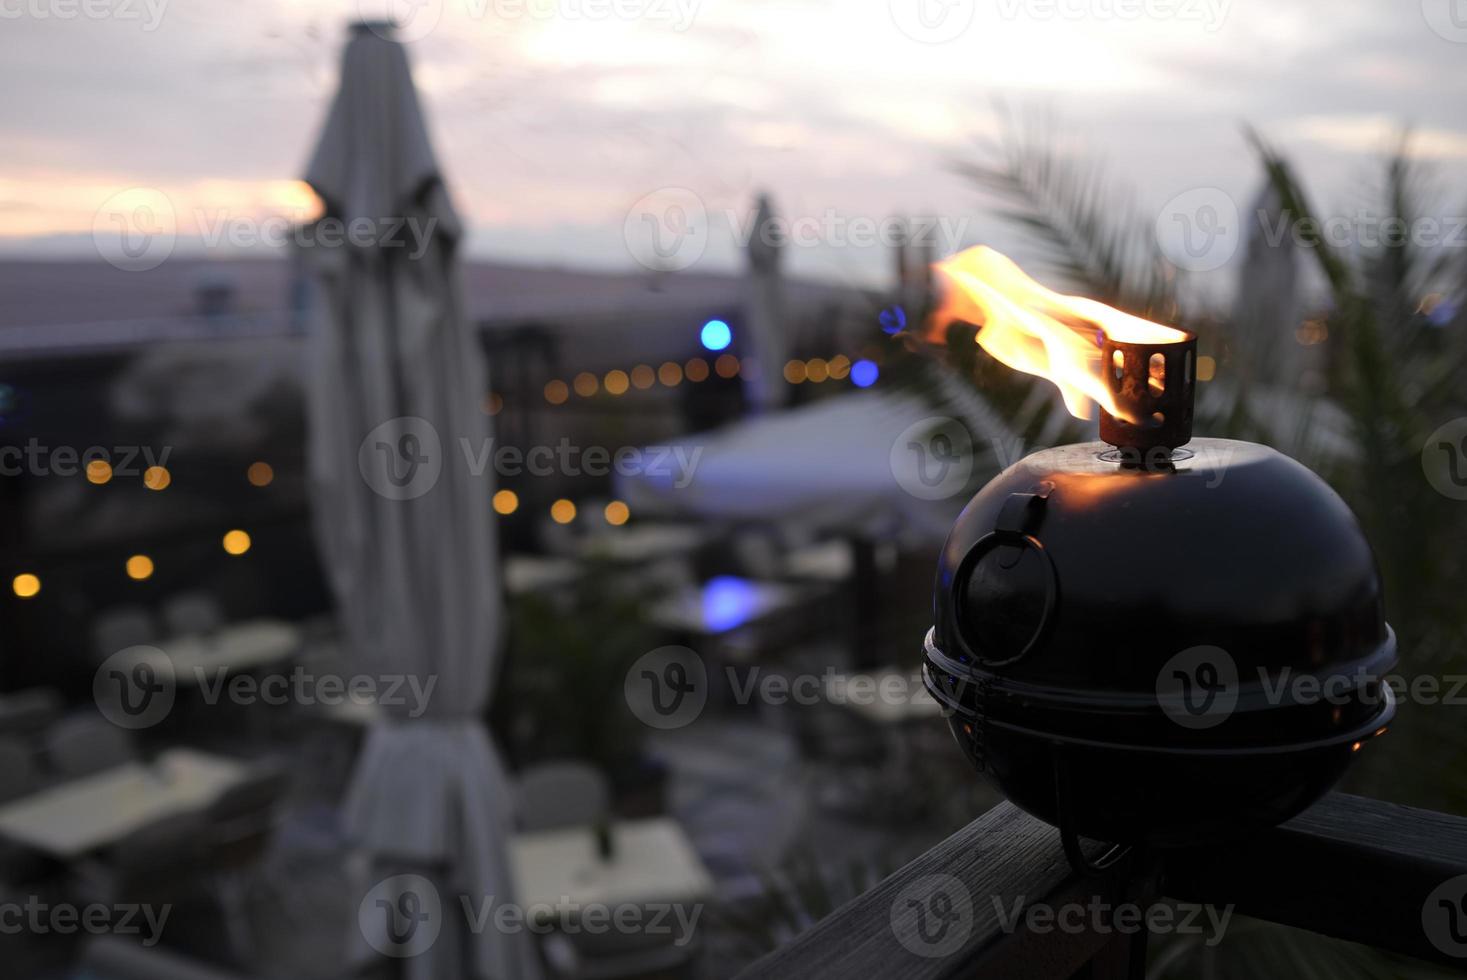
(652, 861)
(94, 811)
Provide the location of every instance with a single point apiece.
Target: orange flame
(1038, 331)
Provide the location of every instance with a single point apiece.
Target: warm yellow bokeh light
(840, 366)
(586, 384)
(556, 392)
(506, 502)
(794, 372)
(643, 376)
(670, 374)
(236, 542)
(562, 511)
(99, 471)
(816, 369)
(617, 513)
(616, 382)
(697, 369)
(297, 198)
(1311, 332)
(1206, 368)
(260, 474)
(727, 365)
(157, 478)
(139, 567)
(25, 585)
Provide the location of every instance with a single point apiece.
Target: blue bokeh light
(716, 335)
(728, 601)
(864, 373)
(893, 320)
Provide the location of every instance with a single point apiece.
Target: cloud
(550, 126)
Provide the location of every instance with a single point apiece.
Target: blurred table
(724, 603)
(524, 574)
(643, 542)
(233, 649)
(828, 561)
(84, 814)
(29, 710)
(651, 861)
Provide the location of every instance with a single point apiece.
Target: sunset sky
(552, 117)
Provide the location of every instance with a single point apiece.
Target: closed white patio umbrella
(395, 387)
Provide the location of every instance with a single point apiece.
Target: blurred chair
(241, 820)
(192, 613)
(562, 794)
(19, 774)
(616, 954)
(845, 755)
(27, 711)
(557, 539)
(238, 827)
(114, 958)
(83, 744)
(757, 552)
(158, 863)
(121, 627)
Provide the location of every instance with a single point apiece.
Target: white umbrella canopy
(867, 462)
(404, 525)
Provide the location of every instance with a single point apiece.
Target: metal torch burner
(1154, 384)
(1132, 642)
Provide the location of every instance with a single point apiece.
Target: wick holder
(1154, 383)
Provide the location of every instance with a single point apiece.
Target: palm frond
(1065, 207)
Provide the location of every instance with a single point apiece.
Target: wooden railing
(984, 902)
